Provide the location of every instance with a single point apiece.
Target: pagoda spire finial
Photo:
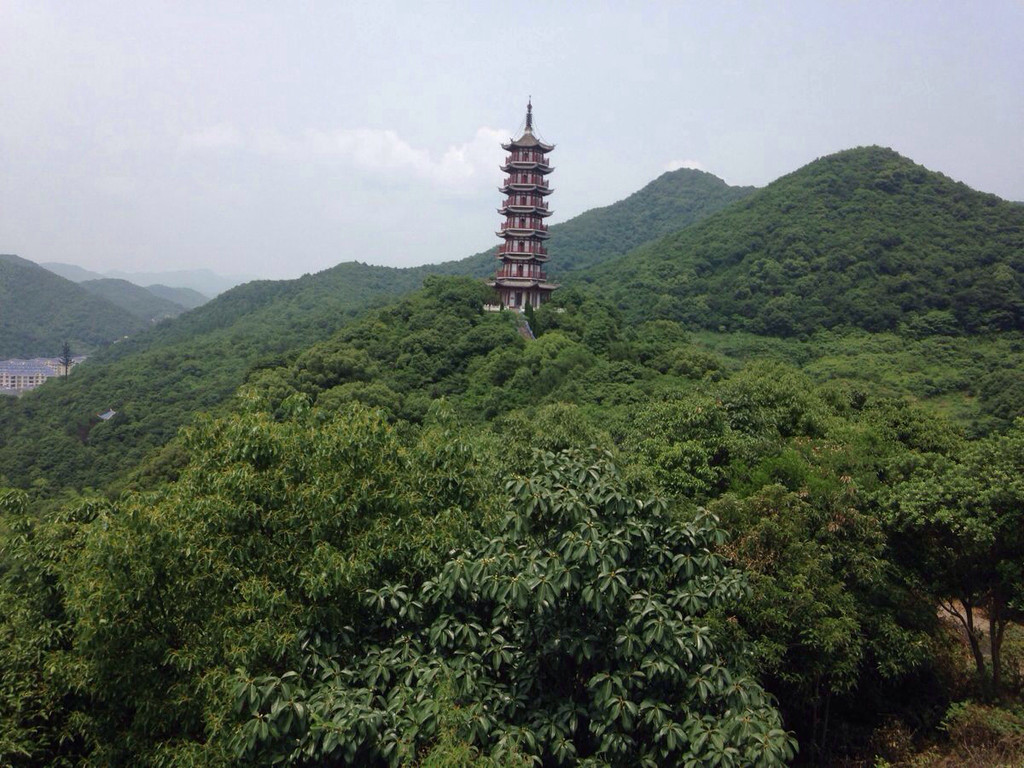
(529, 115)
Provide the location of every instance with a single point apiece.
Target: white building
(20, 375)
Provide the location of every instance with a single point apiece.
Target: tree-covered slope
(141, 302)
(158, 380)
(186, 297)
(863, 237)
(40, 310)
(671, 202)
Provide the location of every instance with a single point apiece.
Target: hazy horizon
(249, 139)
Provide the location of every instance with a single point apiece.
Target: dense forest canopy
(863, 237)
(413, 537)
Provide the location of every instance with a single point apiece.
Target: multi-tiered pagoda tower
(521, 279)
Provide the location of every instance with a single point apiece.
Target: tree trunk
(974, 638)
(997, 626)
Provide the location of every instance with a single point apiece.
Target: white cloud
(695, 165)
(376, 151)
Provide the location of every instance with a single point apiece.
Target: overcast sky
(272, 139)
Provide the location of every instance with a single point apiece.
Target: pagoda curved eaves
(527, 141)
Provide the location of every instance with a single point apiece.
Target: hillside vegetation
(39, 311)
(141, 302)
(414, 537)
(864, 238)
(158, 380)
(674, 200)
(186, 297)
(607, 544)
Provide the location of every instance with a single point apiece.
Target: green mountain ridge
(671, 202)
(141, 302)
(40, 310)
(72, 272)
(204, 282)
(186, 297)
(864, 237)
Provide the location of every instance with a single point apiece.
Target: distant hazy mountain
(186, 297)
(40, 310)
(141, 302)
(71, 272)
(203, 281)
(863, 237)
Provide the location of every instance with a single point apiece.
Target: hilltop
(671, 202)
(864, 238)
(41, 310)
(186, 297)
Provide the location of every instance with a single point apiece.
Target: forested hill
(186, 297)
(39, 311)
(863, 237)
(674, 200)
(140, 301)
(159, 379)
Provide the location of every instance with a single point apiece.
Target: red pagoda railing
(530, 273)
(537, 159)
(531, 178)
(529, 249)
(532, 202)
(535, 225)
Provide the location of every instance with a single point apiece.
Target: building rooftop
(37, 366)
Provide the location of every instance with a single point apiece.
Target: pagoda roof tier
(537, 232)
(503, 282)
(527, 141)
(532, 210)
(527, 165)
(523, 257)
(519, 281)
(525, 187)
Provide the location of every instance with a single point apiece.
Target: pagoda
(521, 280)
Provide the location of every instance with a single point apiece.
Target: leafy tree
(140, 609)
(39, 691)
(959, 528)
(583, 634)
(835, 636)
